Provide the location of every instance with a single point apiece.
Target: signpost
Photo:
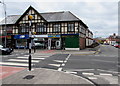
(30, 17)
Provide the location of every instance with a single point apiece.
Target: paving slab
(44, 76)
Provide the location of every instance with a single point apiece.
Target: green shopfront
(70, 41)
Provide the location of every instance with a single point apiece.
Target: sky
(101, 16)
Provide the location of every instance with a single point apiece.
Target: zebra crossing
(22, 61)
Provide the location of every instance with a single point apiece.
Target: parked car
(39, 45)
(106, 44)
(5, 51)
(117, 45)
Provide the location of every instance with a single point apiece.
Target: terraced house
(51, 30)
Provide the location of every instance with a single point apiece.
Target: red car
(117, 45)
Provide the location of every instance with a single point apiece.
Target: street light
(5, 19)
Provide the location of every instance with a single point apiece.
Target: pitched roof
(59, 16)
(10, 19)
(49, 17)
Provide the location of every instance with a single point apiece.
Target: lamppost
(30, 17)
(5, 19)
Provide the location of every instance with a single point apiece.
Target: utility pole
(5, 21)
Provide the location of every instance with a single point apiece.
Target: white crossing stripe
(58, 61)
(32, 58)
(22, 57)
(38, 58)
(71, 72)
(60, 69)
(15, 64)
(63, 65)
(105, 74)
(92, 77)
(42, 56)
(26, 55)
(57, 65)
(65, 61)
(22, 60)
(87, 73)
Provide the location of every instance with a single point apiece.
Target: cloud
(100, 15)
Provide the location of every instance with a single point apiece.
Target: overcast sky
(101, 16)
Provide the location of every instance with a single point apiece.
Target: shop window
(56, 28)
(71, 27)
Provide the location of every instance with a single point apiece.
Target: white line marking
(104, 74)
(58, 61)
(87, 73)
(65, 61)
(63, 65)
(60, 69)
(92, 77)
(21, 60)
(15, 64)
(32, 58)
(23, 57)
(107, 71)
(38, 58)
(71, 72)
(57, 65)
(26, 55)
(80, 69)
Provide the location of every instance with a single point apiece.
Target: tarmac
(49, 76)
(44, 76)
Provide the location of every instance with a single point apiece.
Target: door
(57, 44)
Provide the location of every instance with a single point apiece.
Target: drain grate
(29, 77)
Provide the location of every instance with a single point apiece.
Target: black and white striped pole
(30, 45)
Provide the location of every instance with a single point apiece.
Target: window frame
(71, 28)
(56, 28)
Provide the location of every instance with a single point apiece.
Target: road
(101, 68)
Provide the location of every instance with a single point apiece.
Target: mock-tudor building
(53, 30)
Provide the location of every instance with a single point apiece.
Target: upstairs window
(71, 27)
(56, 28)
(41, 28)
(24, 28)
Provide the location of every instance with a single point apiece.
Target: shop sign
(40, 36)
(9, 37)
(54, 36)
(21, 37)
(69, 35)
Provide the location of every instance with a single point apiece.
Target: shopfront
(21, 41)
(70, 41)
(8, 41)
(54, 42)
(40, 41)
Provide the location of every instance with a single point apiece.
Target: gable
(30, 11)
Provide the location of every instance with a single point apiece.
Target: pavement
(87, 51)
(44, 76)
